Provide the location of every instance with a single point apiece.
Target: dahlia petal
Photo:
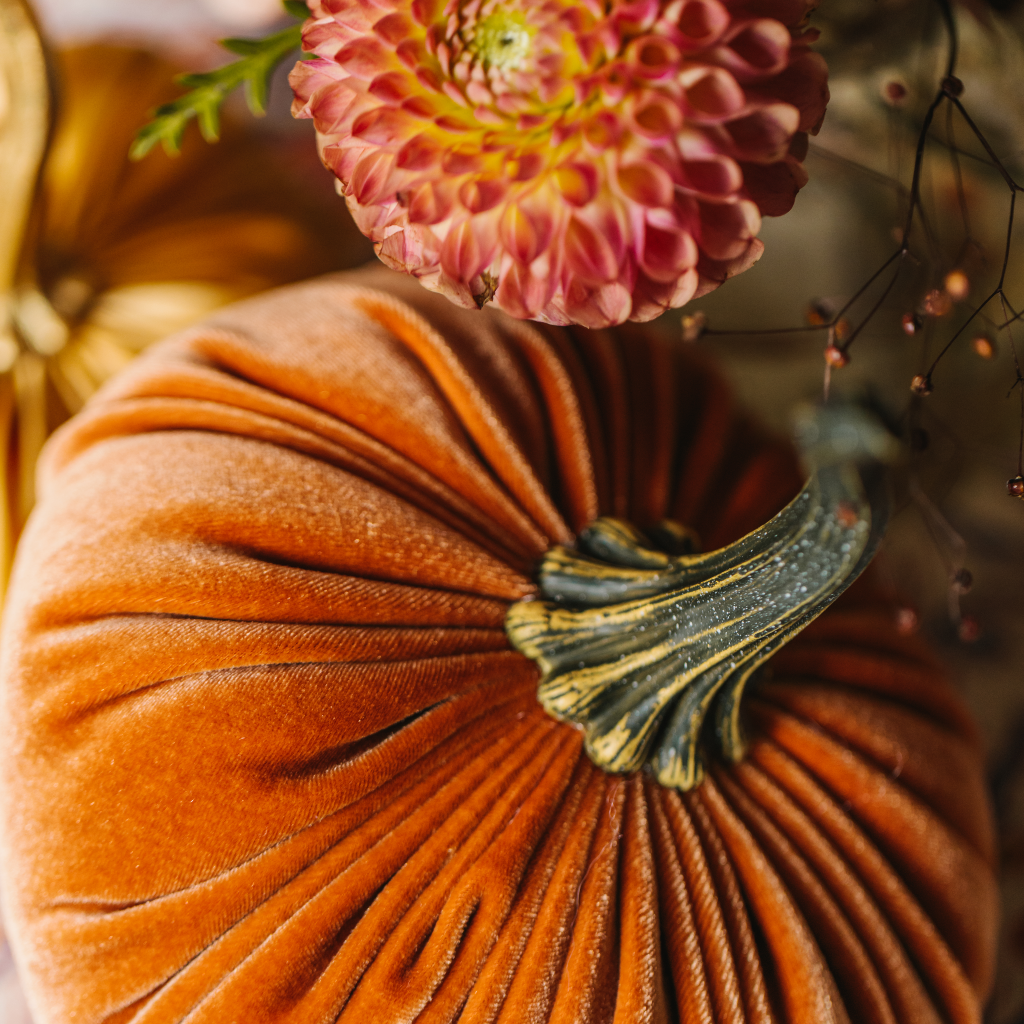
(323, 38)
(577, 183)
(526, 122)
(433, 38)
(653, 57)
(427, 108)
(646, 184)
(610, 219)
(667, 254)
(370, 176)
(394, 27)
(455, 122)
(412, 53)
(525, 167)
(462, 160)
(717, 176)
(365, 57)
(714, 96)
(308, 76)
(383, 125)
(460, 253)
(420, 153)
(598, 308)
(603, 130)
(727, 228)
(371, 220)
(454, 93)
(480, 194)
(550, 63)
(590, 47)
(763, 136)
(552, 90)
(524, 291)
(409, 249)
(644, 309)
(519, 234)
(424, 11)
(790, 12)
(773, 187)
(392, 87)
(656, 117)
(588, 256)
(452, 289)
(484, 113)
(614, 85)
(701, 23)
(666, 220)
(798, 147)
(442, 51)
(714, 273)
(468, 249)
(637, 16)
(330, 107)
(652, 298)
(685, 286)
(594, 7)
(804, 85)
(756, 49)
(563, 132)
(342, 161)
(431, 202)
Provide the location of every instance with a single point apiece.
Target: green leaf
(208, 114)
(243, 47)
(208, 90)
(297, 9)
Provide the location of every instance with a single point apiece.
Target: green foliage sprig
(208, 90)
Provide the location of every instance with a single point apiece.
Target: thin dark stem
(1018, 383)
(998, 290)
(1009, 240)
(915, 184)
(874, 309)
(719, 332)
(996, 162)
(1013, 319)
(960, 330)
(867, 284)
(954, 159)
(967, 154)
(953, 35)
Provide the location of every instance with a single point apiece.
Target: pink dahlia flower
(572, 161)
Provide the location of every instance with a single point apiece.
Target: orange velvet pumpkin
(268, 757)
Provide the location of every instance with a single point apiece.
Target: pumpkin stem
(638, 637)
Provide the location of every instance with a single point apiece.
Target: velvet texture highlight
(267, 755)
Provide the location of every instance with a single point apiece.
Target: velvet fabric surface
(268, 757)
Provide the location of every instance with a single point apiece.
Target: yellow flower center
(502, 40)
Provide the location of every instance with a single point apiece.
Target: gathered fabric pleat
(267, 756)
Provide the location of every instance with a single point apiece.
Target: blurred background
(125, 253)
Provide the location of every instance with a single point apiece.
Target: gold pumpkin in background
(119, 254)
